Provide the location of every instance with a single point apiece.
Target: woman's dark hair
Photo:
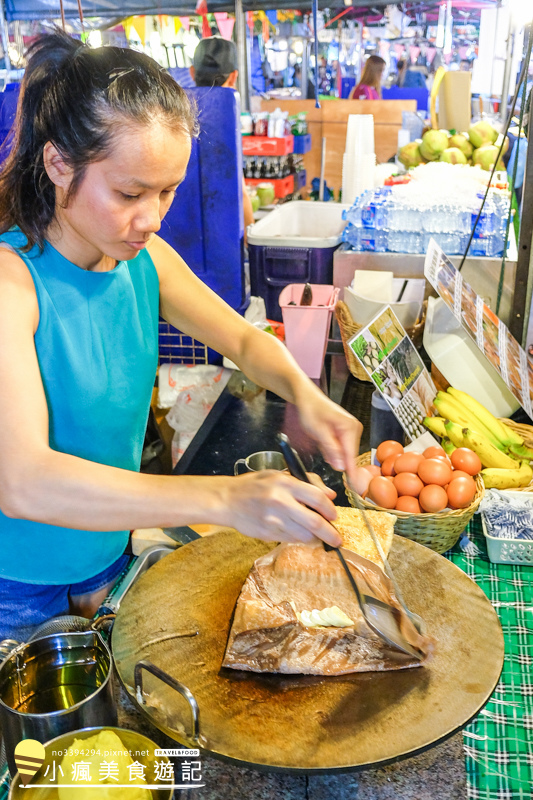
(74, 96)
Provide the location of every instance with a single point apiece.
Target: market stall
(209, 631)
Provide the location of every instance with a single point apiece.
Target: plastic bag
(196, 389)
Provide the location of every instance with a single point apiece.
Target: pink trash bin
(307, 327)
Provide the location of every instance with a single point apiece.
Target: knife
(182, 534)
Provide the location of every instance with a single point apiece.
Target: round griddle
(178, 615)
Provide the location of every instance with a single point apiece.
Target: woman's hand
(274, 506)
(336, 432)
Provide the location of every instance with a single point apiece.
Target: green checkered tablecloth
(499, 742)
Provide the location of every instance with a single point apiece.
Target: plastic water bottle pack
(403, 218)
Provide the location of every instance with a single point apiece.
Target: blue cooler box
(293, 244)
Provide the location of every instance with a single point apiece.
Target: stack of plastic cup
(359, 158)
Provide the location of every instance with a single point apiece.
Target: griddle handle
(174, 684)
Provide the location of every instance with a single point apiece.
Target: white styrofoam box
(364, 308)
(374, 285)
(462, 363)
(300, 224)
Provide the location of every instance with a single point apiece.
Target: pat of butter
(332, 617)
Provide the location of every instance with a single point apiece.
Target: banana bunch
(464, 422)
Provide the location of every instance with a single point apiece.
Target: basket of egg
(433, 495)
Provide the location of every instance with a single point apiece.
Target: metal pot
(140, 748)
(54, 685)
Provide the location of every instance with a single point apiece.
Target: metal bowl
(140, 747)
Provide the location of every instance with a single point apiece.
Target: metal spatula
(417, 621)
(379, 616)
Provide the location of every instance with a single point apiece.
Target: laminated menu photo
(394, 365)
(491, 335)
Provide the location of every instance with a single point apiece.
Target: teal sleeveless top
(97, 346)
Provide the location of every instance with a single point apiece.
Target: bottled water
(373, 241)
(404, 242)
(403, 218)
(352, 235)
(451, 241)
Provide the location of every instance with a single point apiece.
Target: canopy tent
(118, 9)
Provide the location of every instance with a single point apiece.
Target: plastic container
(508, 551)
(267, 145)
(282, 186)
(462, 363)
(302, 143)
(293, 244)
(301, 178)
(307, 327)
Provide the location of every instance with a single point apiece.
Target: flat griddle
(178, 615)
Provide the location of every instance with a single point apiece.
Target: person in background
(102, 140)
(215, 64)
(409, 78)
(298, 82)
(369, 87)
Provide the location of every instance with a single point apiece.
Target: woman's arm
(41, 484)
(192, 307)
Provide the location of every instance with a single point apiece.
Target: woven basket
(526, 432)
(439, 531)
(348, 328)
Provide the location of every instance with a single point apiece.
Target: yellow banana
(498, 429)
(448, 446)
(490, 456)
(494, 478)
(521, 452)
(449, 407)
(454, 432)
(435, 425)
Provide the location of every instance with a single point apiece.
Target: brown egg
(434, 452)
(383, 492)
(409, 504)
(373, 469)
(461, 492)
(387, 468)
(434, 470)
(408, 462)
(388, 448)
(408, 483)
(459, 473)
(433, 498)
(465, 459)
(361, 480)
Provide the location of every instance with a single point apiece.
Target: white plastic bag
(195, 390)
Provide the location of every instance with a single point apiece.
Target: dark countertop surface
(245, 420)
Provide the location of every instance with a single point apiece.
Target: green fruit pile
(477, 147)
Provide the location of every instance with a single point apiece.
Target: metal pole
(322, 169)
(361, 52)
(305, 69)
(507, 71)
(315, 48)
(242, 80)
(518, 323)
(5, 38)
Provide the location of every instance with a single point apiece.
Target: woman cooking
(102, 140)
